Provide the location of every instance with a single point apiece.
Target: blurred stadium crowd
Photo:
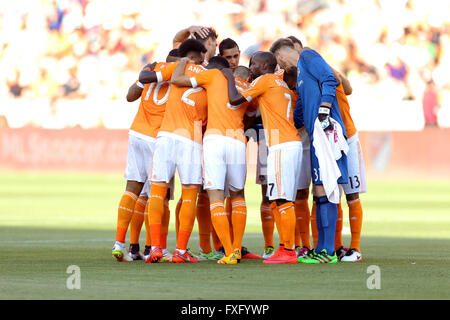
(66, 63)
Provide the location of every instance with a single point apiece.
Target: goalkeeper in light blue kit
(316, 88)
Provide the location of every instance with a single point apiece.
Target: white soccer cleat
(352, 256)
(136, 256)
(167, 256)
(268, 252)
(120, 253)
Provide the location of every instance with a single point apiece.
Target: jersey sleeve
(202, 79)
(257, 88)
(165, 72)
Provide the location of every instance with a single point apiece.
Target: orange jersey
(223, 118)
(344, 109)
(276, 103)
(186, 108)
(152, 107)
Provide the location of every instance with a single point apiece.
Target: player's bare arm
(135, 91)
(234, 96)
(178, 76)
(185, 33)
(148, 75)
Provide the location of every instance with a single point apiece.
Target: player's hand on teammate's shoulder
(150, 66)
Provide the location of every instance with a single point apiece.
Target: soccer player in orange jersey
(141, 143)
(285, 148)
(229, 49)
(179, 146)
(224, 154)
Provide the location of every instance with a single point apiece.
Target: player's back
(152, 107)
(186, 109)
(276, 106)
(344, 108)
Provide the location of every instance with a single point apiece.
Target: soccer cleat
(120, 253)
(178, 257)
(193, 255)
(231, 259)
(341, 252)
(238, 255)
(301, 252)
(287, 256)
(352, 256)
(134, 253)
(207, 256)
(167, 256)
(268, 252)
(216, 255)
(248, 255)
(319, 258)
(155, 255)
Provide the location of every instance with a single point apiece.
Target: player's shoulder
(308, 54)
(195, 68)
(241, 83)
(164, 65)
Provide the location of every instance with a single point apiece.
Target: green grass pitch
(49, 221)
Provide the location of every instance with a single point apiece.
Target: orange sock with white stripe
(355, 216)
(302, 224)
(156, 212)
(187, 216)
(148, 241)
(276, 217)
(229, 210)
(238, 219)
(124, 215)
(338, 233)
(221, 225)
(287, 221)
(137, 220)
(177, 217)
(165, 224)
(314, 232)
(267, 222)
(204, 222)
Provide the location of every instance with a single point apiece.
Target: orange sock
(137, 220)
(338, 234)
(229, 210)
(165, 224)
(239, 219)
(276, 216)
(302, 224)
(187, 216)
(204, 222)
(215, 238)
(314, 232)
(148, 241)
(355, 215)
(125, 213)
(177, 217)
(287, 221)
(221, 225)
(156, 212)
(267, 223)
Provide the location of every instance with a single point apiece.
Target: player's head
(229, 49)
(298, 45)
(173, 56)
(242, 72)
(262, 62)
(210, 42)
(193, 49)
(217, 62)
(285, 53)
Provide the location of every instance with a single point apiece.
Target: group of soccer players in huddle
(197, 112)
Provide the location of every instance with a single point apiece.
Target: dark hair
(295, 40)
(190, 45)
(218, 61)
(280, 43)
(211, 34)
(242, 72)
(173, 53)
(227, 44)
(269, 58)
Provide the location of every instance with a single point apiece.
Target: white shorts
(261, 163)
(173, 152)
(224, 163)
(139, 157)
(356, 170)
(305, 169)
(283, 170)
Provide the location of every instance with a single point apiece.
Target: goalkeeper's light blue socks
(326, 217)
